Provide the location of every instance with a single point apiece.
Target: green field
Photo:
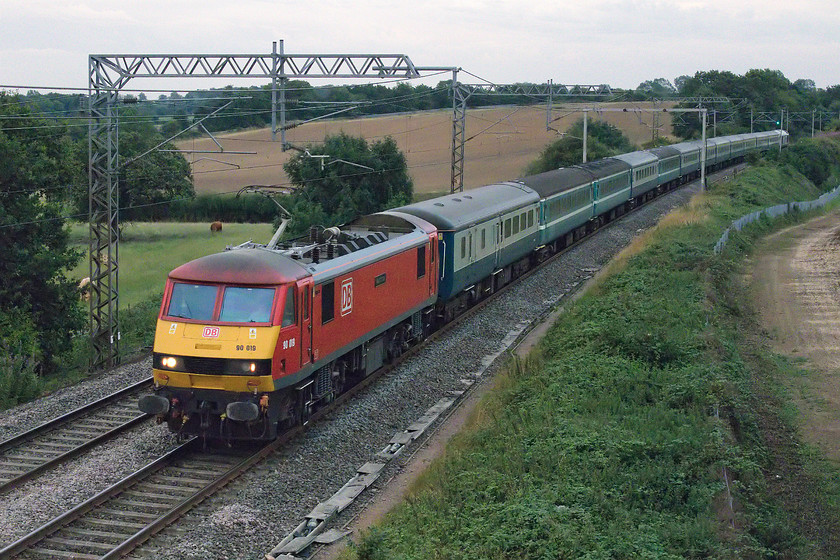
(150, 250)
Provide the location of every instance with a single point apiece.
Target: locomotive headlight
(169, 362)
(252, 367)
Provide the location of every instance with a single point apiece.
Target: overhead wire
(141, 119)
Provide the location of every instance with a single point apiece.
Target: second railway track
(50, 444)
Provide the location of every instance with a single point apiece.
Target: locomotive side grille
(323, 381)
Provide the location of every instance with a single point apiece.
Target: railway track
(124, 516)
(50, 444)
(118, 519)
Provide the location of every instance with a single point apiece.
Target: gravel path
(254, 513)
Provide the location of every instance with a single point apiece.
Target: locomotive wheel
(395, 345)
(338, 380)
(303, 407)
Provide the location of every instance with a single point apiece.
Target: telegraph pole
(585, 135)
(703, 153)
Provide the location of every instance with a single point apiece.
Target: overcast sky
(618, 42)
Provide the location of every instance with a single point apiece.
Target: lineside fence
(774, 212)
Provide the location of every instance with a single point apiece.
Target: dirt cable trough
(796, 285)
(796, 293)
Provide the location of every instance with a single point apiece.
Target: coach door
(499, 239)
(305, 297)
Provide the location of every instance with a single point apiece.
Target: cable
(245, 88)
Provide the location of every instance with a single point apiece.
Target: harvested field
(504, 140)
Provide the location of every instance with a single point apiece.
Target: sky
(617, 42)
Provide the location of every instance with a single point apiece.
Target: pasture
(149, 250)
(501, 142)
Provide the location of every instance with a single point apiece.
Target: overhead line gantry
(109, 74)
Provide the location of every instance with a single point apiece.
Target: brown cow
(216, 226)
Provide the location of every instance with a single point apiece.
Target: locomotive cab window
(421, 261)
(246, 305)
(192, 301)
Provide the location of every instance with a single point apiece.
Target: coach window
(483, 237)
(327, 302)
(289, 317)
(531, 218)
(464, 247)
(507, 228)
(306, 296)
(421, 261)
(515, 225)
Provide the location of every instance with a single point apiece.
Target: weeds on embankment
(642, 427)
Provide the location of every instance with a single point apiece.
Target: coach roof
(456, 211)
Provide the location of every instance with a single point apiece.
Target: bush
(251, 208)
(817, 159)
(19, 358)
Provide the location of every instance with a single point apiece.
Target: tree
(805, 86)
(604, 140)
(356, 178)
(764, 90)
(155, 178)
(660, 87)
(34, 165)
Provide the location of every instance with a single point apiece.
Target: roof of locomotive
(250, 266)
(457, 211)
(557, 180)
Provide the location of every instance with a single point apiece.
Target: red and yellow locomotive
(253, 338)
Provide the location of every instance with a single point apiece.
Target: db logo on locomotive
(346, 296)
(210, 332)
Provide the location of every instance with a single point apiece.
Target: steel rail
(41, 460)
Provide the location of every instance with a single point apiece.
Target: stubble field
(502, 141)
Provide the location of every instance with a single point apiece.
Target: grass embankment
(644, 426)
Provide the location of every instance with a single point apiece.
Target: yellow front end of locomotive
(215, 357)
